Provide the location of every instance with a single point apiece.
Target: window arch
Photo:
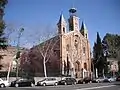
(67, 47)
(84, 50)
(77, 66)
(63, 29)
(85, 66)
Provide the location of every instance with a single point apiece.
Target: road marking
(95, 87)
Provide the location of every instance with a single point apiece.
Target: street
(92, 86)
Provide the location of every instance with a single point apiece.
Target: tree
(2, 25)
(111, 44)
(3, 40)
(45, 48)
(40, 55)
(98, 55)
(25, 63)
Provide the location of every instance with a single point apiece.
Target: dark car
(118, 78)
(67, 81)
(22, 82)
(85, 80)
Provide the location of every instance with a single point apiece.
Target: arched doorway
(68, 66)
(77, 69)
(65, 67)
(85, 66)
(85, 72)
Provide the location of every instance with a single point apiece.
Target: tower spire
(62, 19)
(84, 30)
(83, 26)
(61, 25)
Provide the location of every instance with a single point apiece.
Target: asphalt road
(92, 86)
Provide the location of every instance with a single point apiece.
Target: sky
(39, 18)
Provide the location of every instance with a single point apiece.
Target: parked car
(22, 82)
(85, 80)
(4, 83)
(98, 80)
(48, 81)
(109, 79)
(118, 78)
(67, 81)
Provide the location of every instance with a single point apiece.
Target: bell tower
(84, 30)
(61, 25)
(73, 20)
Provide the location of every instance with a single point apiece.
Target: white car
(4, 83)
(110, 79)
(48, 81)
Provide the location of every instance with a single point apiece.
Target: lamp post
(18, 51)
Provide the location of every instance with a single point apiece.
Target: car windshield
(63, 78)
(50, 79)
(101, 78)
(43, 79)
(21, 79)
(109, 77)
(1, 79)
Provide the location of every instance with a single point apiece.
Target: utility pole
(18, 52)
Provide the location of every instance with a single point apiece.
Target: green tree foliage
(98, 55)
(3, 40)
(113, 45)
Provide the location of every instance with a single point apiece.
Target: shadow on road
(117, 83)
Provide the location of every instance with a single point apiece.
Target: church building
(74, 46)
(70, 56)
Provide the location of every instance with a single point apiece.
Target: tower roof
(62, 19)
(83, 26)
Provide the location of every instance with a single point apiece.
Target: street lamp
(18, 51)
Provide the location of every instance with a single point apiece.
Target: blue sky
(39, 17)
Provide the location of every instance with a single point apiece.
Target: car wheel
(110, 81)
(90, 81)
(83, 82)
(98, 81)
(44, 84)
(2, 85)
(65, 83)
(32, 85)
(16, 85)
(74, 83)
(56, 84)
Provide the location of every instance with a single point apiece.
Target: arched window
(65, 67)
(85, 66)
(76, 44)
(86, 35)
(68, 65)
(77, 66)
(67, 47)
(64, 29)
(84, 50)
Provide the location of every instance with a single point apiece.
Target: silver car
(47, 81)
(98, 80)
